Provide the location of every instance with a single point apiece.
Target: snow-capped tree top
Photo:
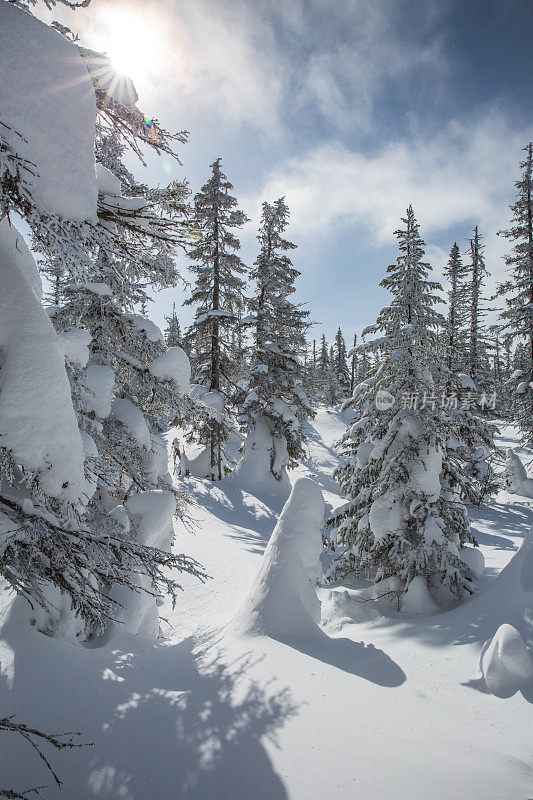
(411, 312)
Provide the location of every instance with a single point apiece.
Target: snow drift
(515, 475)
(505, 662)
(504, 612)
(282, 600)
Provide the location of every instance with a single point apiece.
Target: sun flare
(134, 45)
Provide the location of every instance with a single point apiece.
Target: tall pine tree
(478, 364)
(518, 295)
(218, 296)
(456, 272)
(276, 403)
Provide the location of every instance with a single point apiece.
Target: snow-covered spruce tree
(275, 402)
(218, 297)
(323, 363)
(456, 334)
(332, 393)
(309, 381)
(340, 362)
(404, 518)
(461, 337)
(132, 385)
(478, 359)
(518, 295)
(173, 329)
(52, 554)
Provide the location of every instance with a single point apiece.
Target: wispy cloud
(258, 63)
(463, 174)
(365, 53)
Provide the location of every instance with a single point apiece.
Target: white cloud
(250, 63)
(210, 61)
(366, 56)
(463, 174)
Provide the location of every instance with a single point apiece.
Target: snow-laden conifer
(173, 330)
(218, 297)
(276, 403)
(478, 357)
(456, 272)
(340, 362)
(63, 548)
(404, 517)
(518, 294)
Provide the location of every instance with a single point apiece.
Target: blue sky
(352, 109)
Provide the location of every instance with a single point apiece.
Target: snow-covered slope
(379, 707)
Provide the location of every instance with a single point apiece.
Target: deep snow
(380, 705)
(54, 124)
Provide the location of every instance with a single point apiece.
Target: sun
(133, 43)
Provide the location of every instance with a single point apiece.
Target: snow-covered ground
(388, 707)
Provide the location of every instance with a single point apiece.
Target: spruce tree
(518, 295)
(74, 548)
(275, 404)
(331, 392)
(404, 519)
(478, 367)
(456, 272)
(322, 367)
(340, 363)
(173, 329)
(218, 297)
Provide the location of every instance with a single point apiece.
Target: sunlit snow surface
(389, 706)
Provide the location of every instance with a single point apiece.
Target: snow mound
(474, 558)
(508, 599)
(253, 473)
(152, 513)
(417, 599)
(132, 418)
(37, 420)
(282, 600)
(47, 97)
(505, 662)
(466, 381)
(149, 328)
(174, 366)
(96, 390)
(76, 343)
(515, 475)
